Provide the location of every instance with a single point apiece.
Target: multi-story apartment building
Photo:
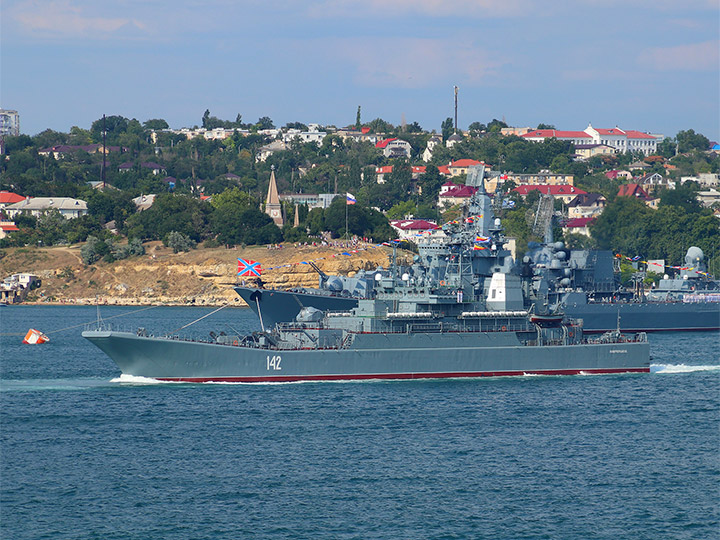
(9, 122)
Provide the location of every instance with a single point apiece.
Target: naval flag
(249, 268)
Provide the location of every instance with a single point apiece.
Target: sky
(648, 65)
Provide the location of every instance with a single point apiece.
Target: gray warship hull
(278, 306)
(647, 316)
(371, 356)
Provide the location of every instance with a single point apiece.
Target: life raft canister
(35, 337)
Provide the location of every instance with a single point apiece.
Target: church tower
(273, 208)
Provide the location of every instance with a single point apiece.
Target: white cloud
(414, 62)
(435, 8)
(693, 57)
(63, 18)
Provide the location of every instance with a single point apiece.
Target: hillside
(198, 277)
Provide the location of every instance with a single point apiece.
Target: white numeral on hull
(273, 363)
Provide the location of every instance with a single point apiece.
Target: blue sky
(638, 64)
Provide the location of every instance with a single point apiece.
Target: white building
(392, 148)
(304, 136)
(433, 141)
(621, 140)
(69, 208)
(268, 150)
(9, 122)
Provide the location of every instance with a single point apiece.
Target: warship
(412, 328)
(581, 283)
(473, 247)
(584, 284)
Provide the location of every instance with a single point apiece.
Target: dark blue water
(587, 457)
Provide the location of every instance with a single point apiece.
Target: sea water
(88, 454)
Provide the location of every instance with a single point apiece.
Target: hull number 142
(273, 363)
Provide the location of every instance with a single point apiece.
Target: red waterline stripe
(403, 376)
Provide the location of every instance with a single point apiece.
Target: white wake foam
(134, 379)
(680, 368)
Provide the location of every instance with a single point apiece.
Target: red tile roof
(633, 190)
(387, 169)
(414, 225)
(547, 133)
(579, 222)
(384, 142)
(9, 227)
(632, 134)
(460, 191)
(611, 131)
(465, 163)
(444, 170)
(8, 197)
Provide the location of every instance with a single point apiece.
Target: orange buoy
(35, 337)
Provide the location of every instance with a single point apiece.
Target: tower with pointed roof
(273, 208)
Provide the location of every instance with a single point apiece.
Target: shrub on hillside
(178, 242)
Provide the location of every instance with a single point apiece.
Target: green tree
(621, 226)
(264, 122)
(476, 128)
(155, 124)
(93, 250)
(683, 196)
(496, 125)
(429, 184)
(689, 140)
(236, 219)
(401, 209)
(380, 126)
(115, 125)
(358, 123)
(447, 128)
(169, 212)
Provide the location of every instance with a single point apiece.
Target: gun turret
(323, 275)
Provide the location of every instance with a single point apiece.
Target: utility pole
(104, 153)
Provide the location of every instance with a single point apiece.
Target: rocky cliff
(198, 277)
